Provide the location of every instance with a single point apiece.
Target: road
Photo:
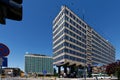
(17, 78)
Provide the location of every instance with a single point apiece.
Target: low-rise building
(12, 72)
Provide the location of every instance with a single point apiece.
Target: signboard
(4, 50)
(4, 61)
(44, 72)
(0, 61)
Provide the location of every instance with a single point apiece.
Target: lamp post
(85, 72)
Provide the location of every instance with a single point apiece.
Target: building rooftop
(35, 54)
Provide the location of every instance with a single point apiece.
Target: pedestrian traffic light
(11, 9)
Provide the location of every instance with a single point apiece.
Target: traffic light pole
(1, 72)
(10, 9)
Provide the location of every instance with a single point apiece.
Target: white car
(102, 77)
(98, 76)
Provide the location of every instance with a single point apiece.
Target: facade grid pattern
(75, 42)
(38, 64)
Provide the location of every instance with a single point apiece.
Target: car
(101, 76)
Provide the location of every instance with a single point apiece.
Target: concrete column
(65, 69)
(72, 68)
(72, 71)
(59, 71)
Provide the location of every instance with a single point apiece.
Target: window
(66, 18)
(70, 15)
(66, 11)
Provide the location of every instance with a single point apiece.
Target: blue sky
(34, 33)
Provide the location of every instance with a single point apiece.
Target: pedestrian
(96, 77)
(64, 75)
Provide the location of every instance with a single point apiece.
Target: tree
(55, 72)
(114, 68)
(117, 73)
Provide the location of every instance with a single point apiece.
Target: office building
(39, 64)
(76, 44)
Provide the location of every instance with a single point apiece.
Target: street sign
(0, 61)
(4, 61)
(44, 72)
(4, 50)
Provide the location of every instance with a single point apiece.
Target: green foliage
(114, 68)
(117, 73)
(55, 72)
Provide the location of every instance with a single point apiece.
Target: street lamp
(85, 72)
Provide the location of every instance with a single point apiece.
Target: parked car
(101, 76)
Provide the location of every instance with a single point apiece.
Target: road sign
(44, 72)
(4, 50)
(0, 61)
(4, 61)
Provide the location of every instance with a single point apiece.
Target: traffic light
(11, 9)
(2, 13)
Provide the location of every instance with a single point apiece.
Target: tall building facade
(75, 43)
(40, 64)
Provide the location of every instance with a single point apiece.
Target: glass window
(70, 15)
(66, 11)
